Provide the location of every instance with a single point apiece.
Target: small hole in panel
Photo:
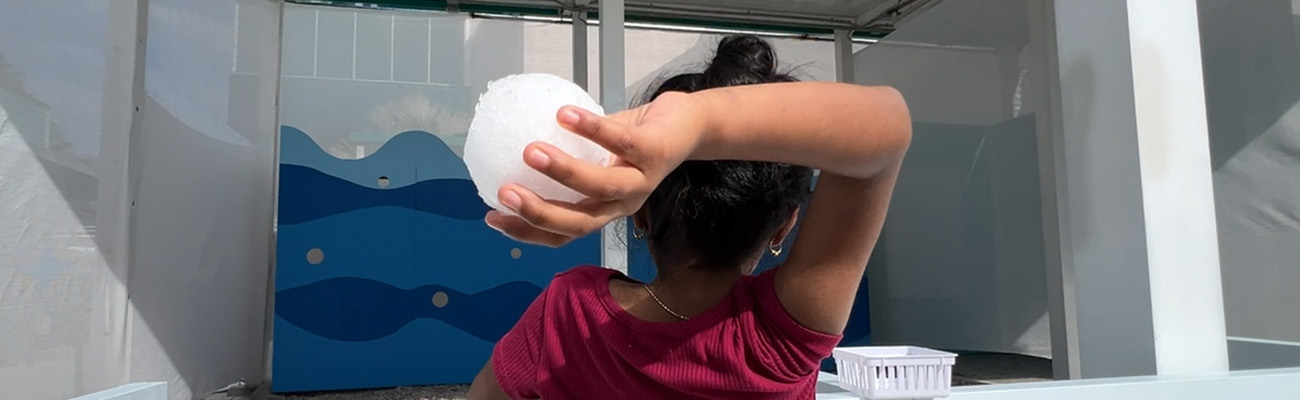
(383, 181)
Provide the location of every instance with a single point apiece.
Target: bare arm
(848, 130)
(485, 386)
(857, 136)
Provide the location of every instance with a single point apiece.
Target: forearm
(849, 130)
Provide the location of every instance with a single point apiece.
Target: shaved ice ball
(518, 110)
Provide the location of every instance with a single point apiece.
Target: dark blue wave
(307, 195)
(406, 158)
(355, 309)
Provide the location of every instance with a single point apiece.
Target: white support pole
(613, 98)
(844, 55)
(1139, 247)
(580, 48)
(1178, 188)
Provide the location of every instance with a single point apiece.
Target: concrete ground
(444, 392)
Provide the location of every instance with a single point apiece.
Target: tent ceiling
(865, 17)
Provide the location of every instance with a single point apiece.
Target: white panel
(202, 214)
(374, 46)
(299, 41)
(335, 43)
(411, 58)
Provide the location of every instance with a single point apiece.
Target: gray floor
(973, 369)
(985, 369)
(448, 392)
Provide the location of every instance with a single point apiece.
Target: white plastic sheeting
(62, 329)
(176, 212)
(204, 159)
(1251, 56)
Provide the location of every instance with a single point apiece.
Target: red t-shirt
(576, 342)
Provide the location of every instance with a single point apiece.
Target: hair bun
(743, 54)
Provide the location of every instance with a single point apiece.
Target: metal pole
(613, 98)
(844, 55)
(580, 49)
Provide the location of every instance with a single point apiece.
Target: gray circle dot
(315, 256)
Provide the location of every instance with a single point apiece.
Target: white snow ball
(517, 110)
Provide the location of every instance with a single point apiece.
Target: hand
(647, 143)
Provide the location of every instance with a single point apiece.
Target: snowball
(518, 110)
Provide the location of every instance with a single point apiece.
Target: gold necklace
(661, 304)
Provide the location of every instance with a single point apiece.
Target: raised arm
(857, 137)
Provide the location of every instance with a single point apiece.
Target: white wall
(961, 264)
(1251, 54)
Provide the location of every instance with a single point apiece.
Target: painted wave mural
(386, 274)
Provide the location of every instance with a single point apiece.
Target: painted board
(386, 274)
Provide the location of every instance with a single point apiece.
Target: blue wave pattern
(354, 309)
(315, 195)
(407, 285)
(398, 160)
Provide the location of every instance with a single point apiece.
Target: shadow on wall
(1251, 58)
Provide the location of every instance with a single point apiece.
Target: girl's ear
(784, 231)
(641, 221)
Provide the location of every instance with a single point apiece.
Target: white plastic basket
(895, 372)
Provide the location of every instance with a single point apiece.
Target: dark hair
(719, 214)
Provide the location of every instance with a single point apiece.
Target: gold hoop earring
(776, 250)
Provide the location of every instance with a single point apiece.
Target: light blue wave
(407, 158)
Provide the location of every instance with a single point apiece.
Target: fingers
(517, 229)
(594, 181)
(608, 133)
(573, 220)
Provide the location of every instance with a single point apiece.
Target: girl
(712, 168)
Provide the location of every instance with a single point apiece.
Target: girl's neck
(690, 291)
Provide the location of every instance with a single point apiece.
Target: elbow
(897, 120)
(890, 131)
